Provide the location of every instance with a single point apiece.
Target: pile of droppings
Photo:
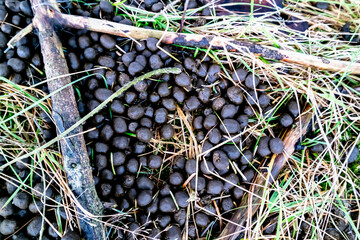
(141, 163)
(134, 142)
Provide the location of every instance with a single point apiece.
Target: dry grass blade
(21, 135)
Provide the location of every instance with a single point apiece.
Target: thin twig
(23, 32)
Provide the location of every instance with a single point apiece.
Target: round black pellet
(276, 145)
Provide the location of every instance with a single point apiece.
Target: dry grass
(314, 190)
(20, 133)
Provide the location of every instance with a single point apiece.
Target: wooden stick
(23, 32)
(251, 201)
(65, 112)
(202, 41)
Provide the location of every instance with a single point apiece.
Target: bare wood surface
(251, 202)
(65, 112)
(202, 41)
(22, 33)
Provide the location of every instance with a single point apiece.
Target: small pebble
(157, 7)
(249, 174)
(204, 95)
(155, 62)
(127, 58)
(174, 233)
(178, 94)
(220, 160)
(118, 158)
(132, 165)
(201, 183)
(7, 210)
(107, 61)
(83, 41)
(238, 193)
(229, 111)
(102, 94)
(164, 89)
(246, 157)
(169, 104)
(215, 136)
(121, 142)
(207, 167)
(227, 204)
(23, 52)
(317, 148)
(176, 179)
(4, 70)
(70, 235)
(218, 103)
(21, 200)
(231, 181)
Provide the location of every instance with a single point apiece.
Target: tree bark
(65, 112)
(252, 201)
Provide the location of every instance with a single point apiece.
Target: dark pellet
(154, 161)
(286, 120)
(239, 75)
(143, 134)
(235, 95)
(167, 131)
(251, 81)
(276, 145)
